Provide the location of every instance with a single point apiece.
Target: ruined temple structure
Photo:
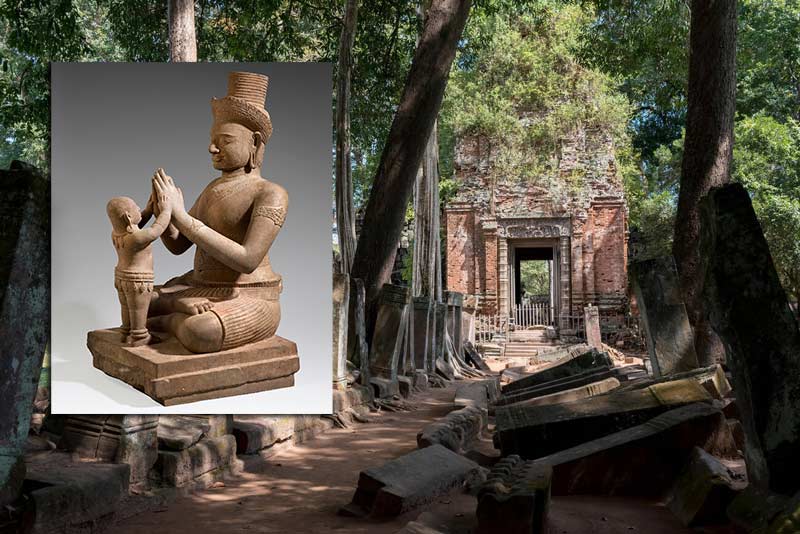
(577, 221)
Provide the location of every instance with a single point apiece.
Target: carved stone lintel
(534, 227)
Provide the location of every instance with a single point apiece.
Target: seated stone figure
(230, 298)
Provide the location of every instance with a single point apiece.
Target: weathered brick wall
(587, 188)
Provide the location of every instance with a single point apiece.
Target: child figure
(133, 275)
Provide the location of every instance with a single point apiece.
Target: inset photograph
(191, 242)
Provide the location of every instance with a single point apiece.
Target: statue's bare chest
(227, 207)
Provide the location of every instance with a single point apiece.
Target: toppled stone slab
(176, 433)
(712, 378)
(554, 386)
(750, 312)
(409, 481)
(479, 393)
(536, 431)
(515, 498)
(473, 357)
(703, 491)
(601, 387)
(263, 434)
(580, 358)
(66, 496)
(199, 466)
(628, 373)
(456, 431)
(642, 460)
(670, 338)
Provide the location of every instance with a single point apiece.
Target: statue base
(171, 375)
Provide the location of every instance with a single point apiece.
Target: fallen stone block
(456, 431)
(474, 357)
(256, 432)
(712, 378)
(703, 491)
(552, 355)
(355, 396)
(670, 338)
(176, 433)
(409, 481)
(643, 460)
(477, 393)
(568, 366)
(629, 373)
(554, 386)
(756, 510)
(515, 498)
(536, 431)
(65, 496)
(199, 466)
(749, 310)
(594, 389)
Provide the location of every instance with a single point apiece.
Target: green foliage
(534, 277)
(519, 85)
(767, 163)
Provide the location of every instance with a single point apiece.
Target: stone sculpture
(223, 314)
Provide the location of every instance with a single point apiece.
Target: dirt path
(300, 489)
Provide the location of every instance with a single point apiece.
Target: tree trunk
(708, 149)
(345, 220)
(408, 137)
(426, 223)
(182, 42)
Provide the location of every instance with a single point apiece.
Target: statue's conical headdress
(244, 103)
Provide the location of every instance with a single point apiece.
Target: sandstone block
(578, 359)
(670, 339)
(703, 491)
(643, 460)
(536, 431)
(456, 431)
(515, 498)
(555, 386)
(201, 464)
(409, 481)
(750, 312)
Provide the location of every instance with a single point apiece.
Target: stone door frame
(547, 231)
(555, 286)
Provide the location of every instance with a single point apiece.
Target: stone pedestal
(670, 340)
(591, 318)
(171, 375)
(454, 302)
(387, 340)
(422, 320)
(125, 439)
(749, 311)
(341, 301)
(24, 312)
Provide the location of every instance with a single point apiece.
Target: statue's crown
(244, 103)
(248, 86)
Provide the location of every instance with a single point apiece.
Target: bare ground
(301, 488)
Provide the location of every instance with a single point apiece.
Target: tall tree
(182, 42)
(708, 148)
(345, 221)
(405, 144)
(426, 278)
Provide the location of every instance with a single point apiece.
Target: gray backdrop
(113, 124)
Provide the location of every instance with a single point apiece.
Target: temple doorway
(534, 286)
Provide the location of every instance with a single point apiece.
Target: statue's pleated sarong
(247, 312)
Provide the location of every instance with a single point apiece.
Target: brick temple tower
(577, 221)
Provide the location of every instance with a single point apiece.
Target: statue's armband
(277, 214)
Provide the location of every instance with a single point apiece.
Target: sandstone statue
(228, 303)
